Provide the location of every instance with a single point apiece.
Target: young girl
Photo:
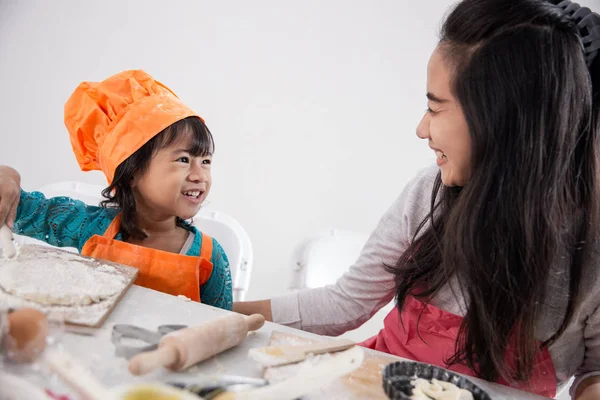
(492, 256)
(156, 154)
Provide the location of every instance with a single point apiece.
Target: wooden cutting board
(363, 383)
(92, 315)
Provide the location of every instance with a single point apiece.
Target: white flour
(17, 247)
(58, 281)
(74, 289)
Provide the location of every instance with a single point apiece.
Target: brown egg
(28, 329)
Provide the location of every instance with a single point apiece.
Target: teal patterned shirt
(65, 222)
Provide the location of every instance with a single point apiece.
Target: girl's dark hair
(531, 204)
(120, 192)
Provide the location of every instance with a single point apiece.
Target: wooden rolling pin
(186, 347)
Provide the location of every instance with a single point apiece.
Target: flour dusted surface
(58, 281)
(81, 290)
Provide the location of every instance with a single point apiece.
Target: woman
(492, 256)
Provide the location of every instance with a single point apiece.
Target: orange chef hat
(108, 121)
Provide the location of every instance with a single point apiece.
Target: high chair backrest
(235, 241)
(88, 193)
(322, 258)
(226, 230)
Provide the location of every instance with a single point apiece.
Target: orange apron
(434, 343)
(166, 272)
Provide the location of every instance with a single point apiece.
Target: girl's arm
(60, 221)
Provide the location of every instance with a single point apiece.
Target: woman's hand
(588, 389)
(10, 192)
(254, 307)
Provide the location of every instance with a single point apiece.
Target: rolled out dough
(58, 281)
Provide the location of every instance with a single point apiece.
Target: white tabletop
(149, 309)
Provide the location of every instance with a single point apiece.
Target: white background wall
(313, 104)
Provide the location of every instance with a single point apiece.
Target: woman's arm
(254, 307)
(367, 286)
(587, 377)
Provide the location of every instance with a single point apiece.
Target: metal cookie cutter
(127, 338)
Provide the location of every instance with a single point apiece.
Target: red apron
(166, 272)
(435, 343)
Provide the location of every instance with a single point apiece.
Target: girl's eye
(207, 161)
(429, 110)
(184, 160)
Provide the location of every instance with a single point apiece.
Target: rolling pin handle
(143, 363)
(255, 322)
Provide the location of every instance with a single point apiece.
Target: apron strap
(206, 247)
(114, 228)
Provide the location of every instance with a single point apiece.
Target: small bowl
(151, 390)
(397, 377)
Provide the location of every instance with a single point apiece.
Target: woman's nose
(423, 127)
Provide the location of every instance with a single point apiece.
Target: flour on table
(17, 251)
(58, 281)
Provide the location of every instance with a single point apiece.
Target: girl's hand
(10, 192)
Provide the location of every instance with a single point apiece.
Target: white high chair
(226, 230)
(235, 241)
(324, 257)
